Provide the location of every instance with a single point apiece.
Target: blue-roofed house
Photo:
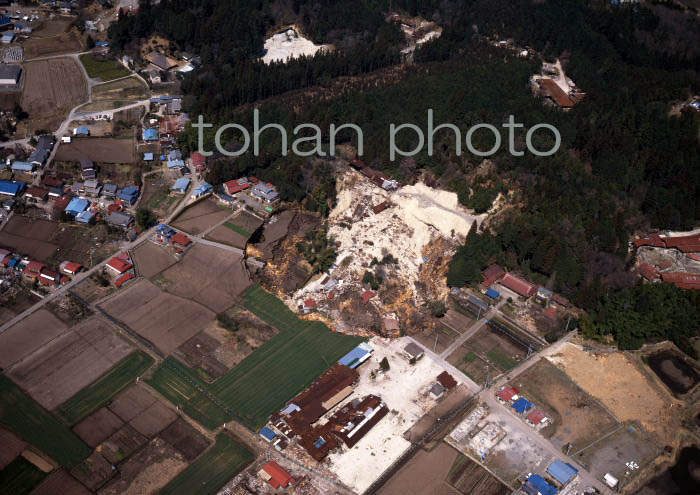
(536, 485)
(81, 131)
(150, 134)
(8, 38)
(5, 23)
(27, 167)
(267, 434)
(493, 294)
(10, 188)
(204, 188)
(102, 44)
(562, 472)
(129, 194)
(522, 405)
(357, 356)
(175, 159)
(181, 185)
(84, 216)
(148, 157)
(77, 206)
(39, 157)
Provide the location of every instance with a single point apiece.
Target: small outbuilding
(413, 351)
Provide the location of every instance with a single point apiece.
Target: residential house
(85, 217)
(76, 206)
(129, 195)
(148, 157)
(110, 191)
(198, 162)
(10, 188)
(203, 189)
(33, 269)
(153, 75)
(237, 185)
(49, 278)
(160, 61)
(492, 274)
(118, 265)
(70, 267)
(120, 219)
(92, 187)
(45, 142)
(276, 475)
(150, 134)
(81, 131)
(37, 193)
(181, 185)
(413, 351)
(266, 192)
(175, 160)
(24, 167)
(180, 240)
(39, 157)
(518, 285)
(543, 294)
(562, 472)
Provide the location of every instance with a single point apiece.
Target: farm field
(42, 325)
(176, 383)
(438, 339)
(213, 277)
(70, 362)
(151, 259)
(471, 365)
(442, 470)
(19, 477)
(212, 470)
(101, 150)
(282, 367)
(105, 388)
(495, 349)
(55, 41)
(228, 236)
(201, 216)
(21, 414)
(30, 237)
(129, 88)
(51, 89)
(165, 320)
(16, 305)
(105, 70)
(60, 482)
(576, 417)
(12, 446)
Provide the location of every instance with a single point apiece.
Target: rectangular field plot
(201, 216)
(105, 388)
(60, 369)
(212, 470)
(19, 477)
(471, 365)
(42, 325)
(30, 237)
(21, 414)
(179, 385)
(98, 149)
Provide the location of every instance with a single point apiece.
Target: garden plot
(60, 482)
(151, 259)
(405, 391)
(30, 237)
(165, 320)
(98, 149)
(70, 362)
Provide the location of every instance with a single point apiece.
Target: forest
(625, 164)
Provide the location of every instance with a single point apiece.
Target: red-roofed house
(33, 270)
(537, 417)
(309, 304)
(181, 239)
(123, 279)
(235, 186)
(199, 162)
(647, 271)
(446, 380)
(37, 193)
(682, 280)
(506, 394)
(518, 285)
(492, 274)
(276, 475)
(665, 264)
(49, 277)
(118, 265)
(70, 267)
(367, 295)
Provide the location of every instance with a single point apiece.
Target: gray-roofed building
(437, 390)
(86, 164)
(266, 192)
(45, 143)
(39, 157)
(109, 190)
(160, 61)
(120, 219)
(92, 187)
(413, 351)
(10, 74)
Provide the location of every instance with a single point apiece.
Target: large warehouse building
(10, 74)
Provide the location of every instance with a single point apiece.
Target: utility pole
(436, 339)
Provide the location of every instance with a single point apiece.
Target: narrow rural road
(478, 324)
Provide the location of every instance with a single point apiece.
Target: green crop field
(104, 388)
(21, 414)
(19, 477)
(265, 380)
(106, 70)
(238, 229)
(177, 386)
(212, 470)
